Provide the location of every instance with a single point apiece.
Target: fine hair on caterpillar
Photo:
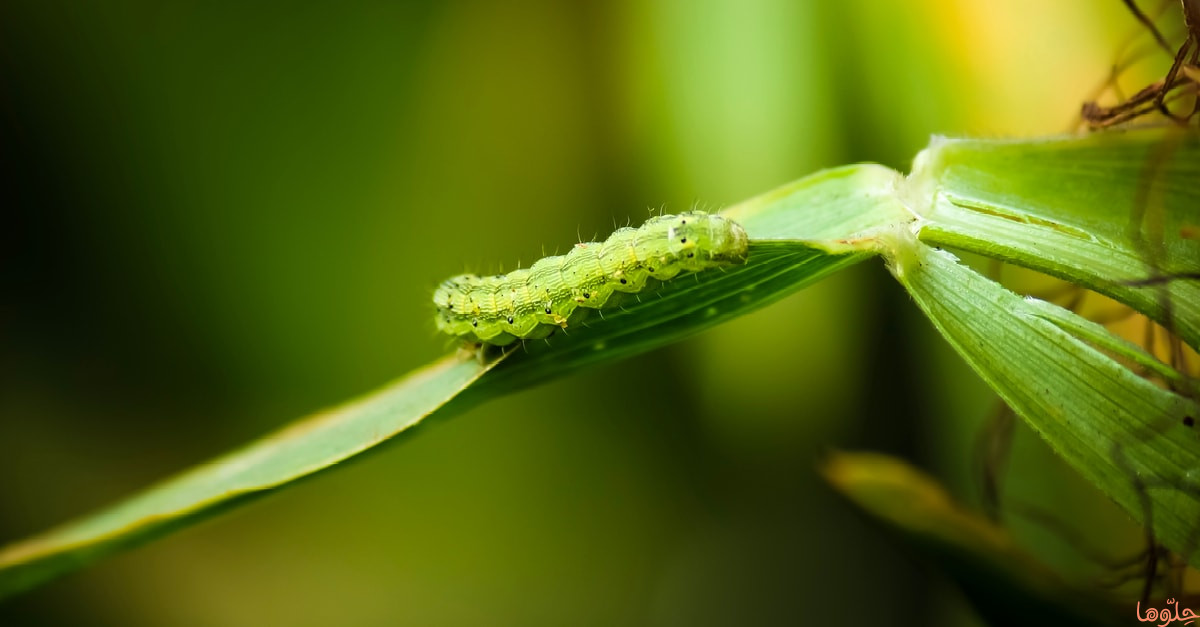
(559, 291)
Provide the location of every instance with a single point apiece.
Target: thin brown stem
(1148, 23)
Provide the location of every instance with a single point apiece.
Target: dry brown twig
(1182, 79)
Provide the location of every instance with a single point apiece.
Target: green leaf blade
(293, 453)
(1103, 211)
(1128, 436)
(817, 212)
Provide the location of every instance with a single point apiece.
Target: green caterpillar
(553, 293)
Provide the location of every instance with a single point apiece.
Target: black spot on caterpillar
(534, 302)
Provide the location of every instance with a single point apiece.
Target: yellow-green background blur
(222, 216)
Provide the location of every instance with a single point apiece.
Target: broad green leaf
(826, 208)
(308, 446)
(1132, 438)
(1006, 584)
(676, 309)
(1101, 211)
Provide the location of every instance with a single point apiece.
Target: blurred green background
(228, 215)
